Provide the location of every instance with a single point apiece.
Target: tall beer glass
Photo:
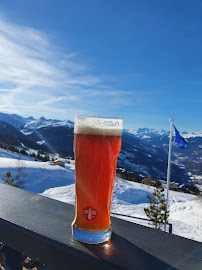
(97, 143)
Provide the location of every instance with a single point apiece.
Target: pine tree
(157, 213)
(10, 181)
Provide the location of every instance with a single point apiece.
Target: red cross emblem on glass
(89, 213)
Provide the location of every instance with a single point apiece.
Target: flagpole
(169, 165)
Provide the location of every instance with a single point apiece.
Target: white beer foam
(98, 126)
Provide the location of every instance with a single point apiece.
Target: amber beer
(97, 143)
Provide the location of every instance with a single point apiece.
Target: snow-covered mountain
(146, 133)
(144, 151)
(188, 158)
(145, 159)
(15, 120)
(150, 133)
(42, 122)
(191, 134)
(26, 125)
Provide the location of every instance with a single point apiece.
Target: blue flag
(179, 139)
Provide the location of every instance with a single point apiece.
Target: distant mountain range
(144, 151)
(189, 158)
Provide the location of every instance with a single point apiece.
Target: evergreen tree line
(148, 180)
(40, 155)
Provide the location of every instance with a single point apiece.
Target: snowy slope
(129, 197)
(36, 176)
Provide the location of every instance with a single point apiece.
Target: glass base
(90, 237)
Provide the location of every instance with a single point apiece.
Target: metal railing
(170, 226)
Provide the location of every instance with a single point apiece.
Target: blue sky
(141, 60)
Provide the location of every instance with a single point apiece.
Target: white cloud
(24, 60)
(41, 76)
(9, 90)
(56, 99)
